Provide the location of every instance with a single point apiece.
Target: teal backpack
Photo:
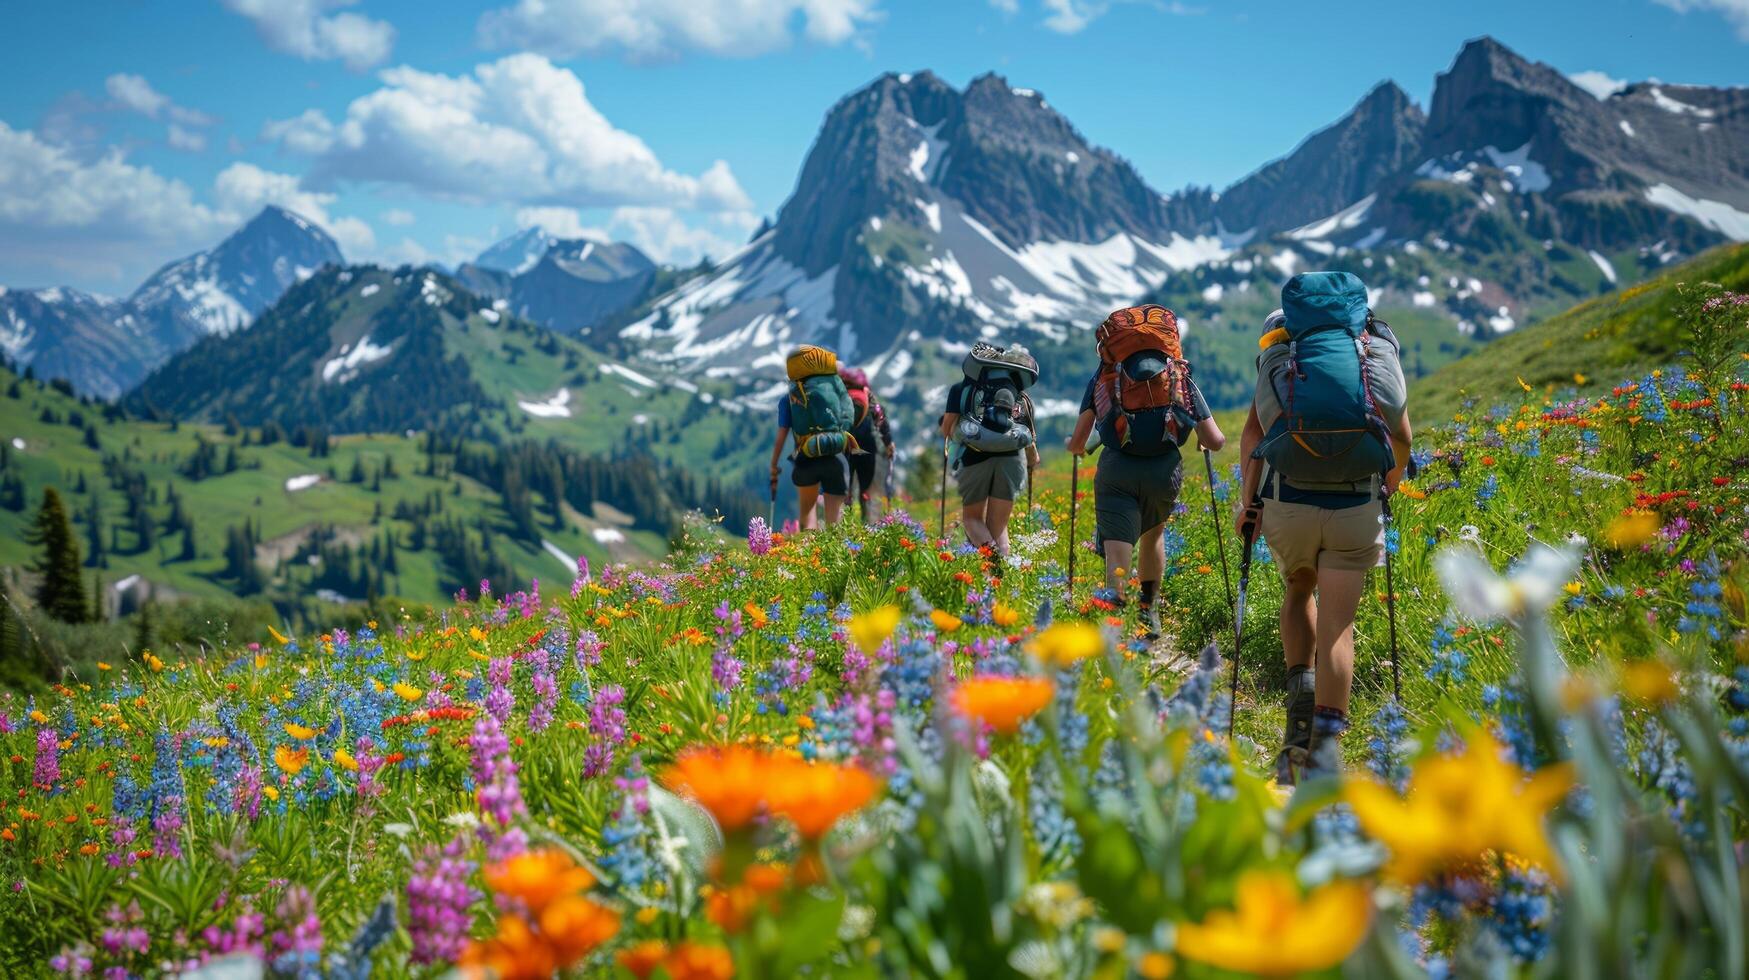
(1330, 433)
(821, 414)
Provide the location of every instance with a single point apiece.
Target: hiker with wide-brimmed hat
(1144, 405)
(988, 425)
(1327, 439)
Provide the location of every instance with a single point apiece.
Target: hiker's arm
(1077, 444)
(1402, 436)
(948, 421)
(777, 451)
(1209, 435)
(1250, 470)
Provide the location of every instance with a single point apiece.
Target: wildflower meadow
(869, 751)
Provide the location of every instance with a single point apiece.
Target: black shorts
(862, 467)
(826, 472)
(1132, 494)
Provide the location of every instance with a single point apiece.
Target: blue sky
(134, 132)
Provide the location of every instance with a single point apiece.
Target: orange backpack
(1141, 397)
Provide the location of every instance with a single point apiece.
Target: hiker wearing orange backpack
(1145, 406)
(873, 434)
(817, 409)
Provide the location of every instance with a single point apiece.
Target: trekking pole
(1208, 460)
(1031, 471)
(1247, 535)
(941, 522)
(1074, 491)
(1391, 598)
(771, 512)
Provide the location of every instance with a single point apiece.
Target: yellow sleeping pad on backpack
(807, 361)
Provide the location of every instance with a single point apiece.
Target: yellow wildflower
(1649, 681)
(271, 792)
(870, 629)
(408, 692)
(1632, 529)
(345, 760)
(1004, 615)
(291, 760)
(1066, 643)
(1458, 807)
(278, 637)
(945, 621)
(1273, 931)
(302, 733)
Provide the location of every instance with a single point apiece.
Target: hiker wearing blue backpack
(988, 427)
(818, 410)
(1326, 442)
(1145, 407)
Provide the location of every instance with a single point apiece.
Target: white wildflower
(1481, 594)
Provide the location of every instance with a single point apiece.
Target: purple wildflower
(607, 722)
(48, 760)
(758, 536)
(438, 901)
(500, 702)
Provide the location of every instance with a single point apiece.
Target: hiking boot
(1149, 621)
(1325, 757)
(1296, 738)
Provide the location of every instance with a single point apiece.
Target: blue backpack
(1330, 432)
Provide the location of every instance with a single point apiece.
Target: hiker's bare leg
(834, 507)
(1339, 592)
(1151, 563)
(1298, 618)
(996, 514)
(1117, 559)
(805, 500)
(972, 519)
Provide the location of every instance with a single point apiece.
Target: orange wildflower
(729, 781)
(697, 961)
(537, 878)
(642, 959)
(515, 953)
(291, 760)
(1002, 702)
(815, 796)
(575, 926)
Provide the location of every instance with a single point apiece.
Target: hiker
(1326, 439)
(873, 435)
(819, 411)
(1144, 405)
(989, 421)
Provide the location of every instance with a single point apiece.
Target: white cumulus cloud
(306, 29)
(105, 222)
(662, 233)
(1598, 83)
(308, 132)
(1734, 11)
(663, 28)
(519, 130)
(188, 140)
(135, 94)
(399, 217)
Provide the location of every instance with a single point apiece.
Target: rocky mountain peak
(1333, 168)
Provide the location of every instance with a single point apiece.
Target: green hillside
(282, 515)
(1594, 344)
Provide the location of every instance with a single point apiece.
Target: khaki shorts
(1302, 536)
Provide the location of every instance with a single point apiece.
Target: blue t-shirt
(783, 412)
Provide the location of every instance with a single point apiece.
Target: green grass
(1600, 341)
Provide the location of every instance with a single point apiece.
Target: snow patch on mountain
(1348, 218)
(556, 407)
(1717, 215)
(1526, 173)
(642, 380)
(344, 368)
(1603, 265)
(1676, 106)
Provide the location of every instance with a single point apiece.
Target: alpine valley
(924, 218)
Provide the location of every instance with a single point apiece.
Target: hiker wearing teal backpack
(1326, 441)
(988, 425)
(818, 411)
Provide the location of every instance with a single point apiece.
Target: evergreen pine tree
(143, 628)
(60, 593)
(94, 534)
